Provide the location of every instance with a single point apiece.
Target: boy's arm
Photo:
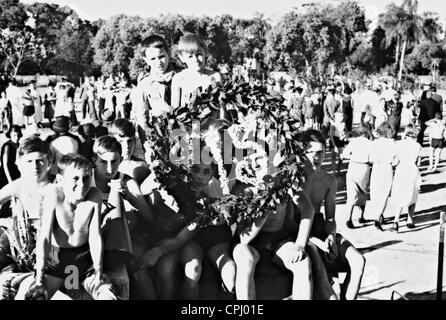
(175, 98)
(10, 190)
(140, 107)
(151, 257)
(135, 197)
(330, 206)
(44, 241)
(250, 232)
(5, 160)
(94, 236)
(306, 221)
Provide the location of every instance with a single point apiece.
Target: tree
(18, 47)
(116, 41)
(12, 15)
(427, 57)
(74, 53)
(305, 43)
(405, 26)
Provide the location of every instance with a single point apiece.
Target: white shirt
(358, 150)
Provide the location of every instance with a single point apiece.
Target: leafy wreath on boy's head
(237, 100)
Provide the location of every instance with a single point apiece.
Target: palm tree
(404, 25)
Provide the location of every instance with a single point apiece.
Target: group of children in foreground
(75, 215)
(102, 213)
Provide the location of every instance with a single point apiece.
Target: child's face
(315, 153)
(15, 137)
(33, 166)
(259, 164)
(201, 174)
(193, 61)
(128, 146)
(107, 164)
(157, 59)
(76, 182)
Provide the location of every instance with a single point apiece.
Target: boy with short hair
(191, 52)
(285, 234)
(121, 239)
(338, 254)
(191, 243)
(152, 96)
(33, 162)
(70, 234)
(437, 135)
(124, 131)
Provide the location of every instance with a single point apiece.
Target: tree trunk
(397, 54)
(403, 52)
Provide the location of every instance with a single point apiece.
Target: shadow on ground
(378, 246)
(429, 295)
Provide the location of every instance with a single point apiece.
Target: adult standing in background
(437, 97)
(347, 108)
(394, 109)
(14, 95)
(428, 108)
(37, 101)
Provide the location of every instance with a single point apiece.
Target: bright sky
(274, 9)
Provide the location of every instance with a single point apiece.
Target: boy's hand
(120, 186)
(332, 247)
(99, 278)
(149, 259)
(37, 292)
(296, 254)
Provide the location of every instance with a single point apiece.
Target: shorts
(437, 143)
(334, 266)
(338, 143)
(211, 236)
(61, 258)
(272, 241)
(28, 111)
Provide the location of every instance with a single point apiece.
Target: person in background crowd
(407, 179)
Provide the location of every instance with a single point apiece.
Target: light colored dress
(383, 156)
(407, 180)
(358, 174)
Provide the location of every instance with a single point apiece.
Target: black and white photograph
(222, 151)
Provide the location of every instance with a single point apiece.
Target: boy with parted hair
(124, 131)
(337, 253)
(33, 162)
(127, 215)
(70, 235)
(152, 95)
(283, 233)
(191, 52)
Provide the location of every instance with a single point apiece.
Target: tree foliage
(12, 15)
(17, 47)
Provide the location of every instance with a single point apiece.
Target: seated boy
(107, 155)
(284, 233)
(124, 131)
(192, 52)
(338, 254)
(214, 240)
(70, 235)
(33, 162)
